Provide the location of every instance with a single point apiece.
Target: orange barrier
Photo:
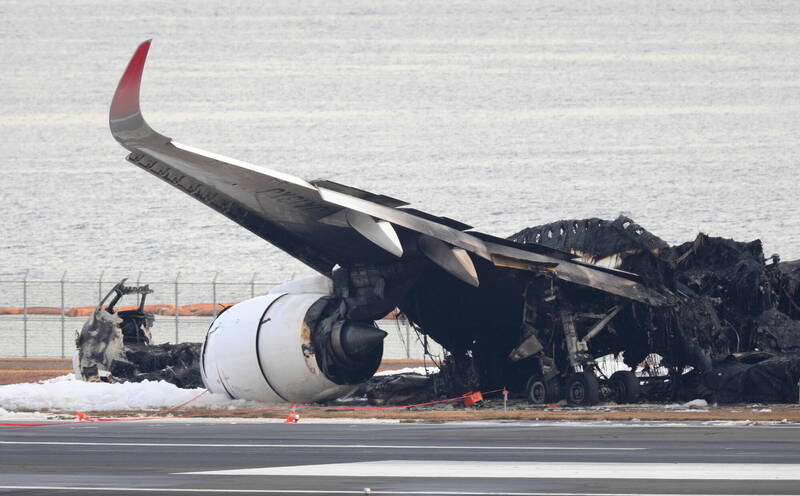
(154, 309)
(193, 310)
(201, 309)
(79, 311)
(30, 310)
(44, 311)
(160, 309)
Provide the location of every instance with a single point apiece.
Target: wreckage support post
(253, 286)
(63, 279)
(570, 335)
(177, 340)
(25, 315)
(594, 331)
(100, 286)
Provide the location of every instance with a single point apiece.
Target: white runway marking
(361, 492)
(331, 446)
(531, 470)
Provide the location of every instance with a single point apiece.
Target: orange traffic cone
(293, 417)
(82, 417)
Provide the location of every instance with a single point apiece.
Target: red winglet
(126, 98)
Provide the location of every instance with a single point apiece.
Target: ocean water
(683, 115)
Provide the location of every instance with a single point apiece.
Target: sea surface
(682, 115)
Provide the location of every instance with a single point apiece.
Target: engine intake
(289, 346)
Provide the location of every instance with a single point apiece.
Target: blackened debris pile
(398, 389)
(730, 300)
(114, 346)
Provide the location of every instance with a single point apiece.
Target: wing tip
(125, 104)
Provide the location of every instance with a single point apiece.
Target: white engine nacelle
(263, 349)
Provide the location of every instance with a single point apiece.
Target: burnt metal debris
(730, 300)
(115, 345)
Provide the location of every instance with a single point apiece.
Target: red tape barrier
(82, 417)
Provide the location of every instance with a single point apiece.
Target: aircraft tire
(541, 392)
(626, 386)
(583, 389)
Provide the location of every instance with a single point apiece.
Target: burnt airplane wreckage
(116, 345)
(531, 313)
(732, 330)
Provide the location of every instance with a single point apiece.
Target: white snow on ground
(698, 403)
(66, 393)
(410, 370)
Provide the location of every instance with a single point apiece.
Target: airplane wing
(323, 223)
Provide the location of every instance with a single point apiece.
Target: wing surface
(323, 223)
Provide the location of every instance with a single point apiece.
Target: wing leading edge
(324, 223)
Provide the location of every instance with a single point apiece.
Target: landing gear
(541, 391)
(625, 386)
(583, 389)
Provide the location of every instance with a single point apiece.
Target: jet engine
(290, 345)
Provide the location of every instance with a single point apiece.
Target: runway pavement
(177, 457)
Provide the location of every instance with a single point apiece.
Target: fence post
(25, 315)
(214, 293)
(177, 310)
(100, 286)
(63, 278)
(253, 286)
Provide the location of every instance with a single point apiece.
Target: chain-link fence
(38, 317)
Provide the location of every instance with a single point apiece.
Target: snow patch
(409, 370)
(66, 393)
(698, 403)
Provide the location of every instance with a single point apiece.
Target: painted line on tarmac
(333, 446)
(360, 491)
(530, 470)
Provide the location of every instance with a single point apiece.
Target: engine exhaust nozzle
(357, 342)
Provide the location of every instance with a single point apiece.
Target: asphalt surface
(150, 457)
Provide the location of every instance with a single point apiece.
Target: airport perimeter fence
(38, 317)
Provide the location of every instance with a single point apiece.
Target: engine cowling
(286, 346)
